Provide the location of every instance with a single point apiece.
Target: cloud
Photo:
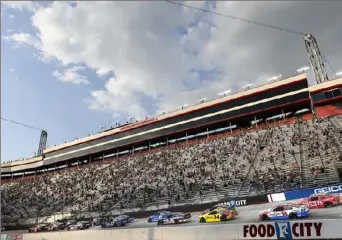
(23, 39)
(11, 16)
(20, 5)
(71, 75)
(11, 70)
(163, 55)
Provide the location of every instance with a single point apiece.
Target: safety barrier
(324, 229)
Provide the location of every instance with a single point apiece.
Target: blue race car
(158, 215)
(285, 211)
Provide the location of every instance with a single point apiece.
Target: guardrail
(324, 229)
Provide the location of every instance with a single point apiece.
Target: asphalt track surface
(247, 214)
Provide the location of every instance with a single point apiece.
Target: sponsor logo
(14, 236)
(330, 189)
(283, 230)
(236, 203)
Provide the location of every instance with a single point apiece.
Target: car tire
(149, 220)
(202, 220)
(292, 216)
(160, 223)
(265, 217)
(327, 205)
(176, 221)
(223, 218)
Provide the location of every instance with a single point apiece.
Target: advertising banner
(336, 188)
(14, 236)
(290, 230)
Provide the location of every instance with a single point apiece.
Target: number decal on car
(315, 203)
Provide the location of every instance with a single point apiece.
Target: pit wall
(325, 229)
(303, 193)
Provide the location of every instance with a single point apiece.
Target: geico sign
(329, 189)
(282, 230)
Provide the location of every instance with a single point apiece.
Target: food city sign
(330, 189)
(282, 230)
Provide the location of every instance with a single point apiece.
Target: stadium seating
(272, 157)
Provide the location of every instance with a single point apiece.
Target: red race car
(321, 200)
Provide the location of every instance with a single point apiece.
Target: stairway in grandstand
(322, 158)
(245, 186)
(337, 131)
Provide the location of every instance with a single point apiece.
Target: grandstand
(250, 142)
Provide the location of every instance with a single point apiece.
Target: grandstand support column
(207, 133)
(167, 141)
(186, 137)
(283, 114)
(312, 106)
(117, 153)
(255, 120)
(89, 159)
(149, 145)
(132, 149)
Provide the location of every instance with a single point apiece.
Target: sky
(72, 67)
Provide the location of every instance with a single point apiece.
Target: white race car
(284, 211)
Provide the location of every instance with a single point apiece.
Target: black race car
(174, 218)
(114, 222)
(125, 218)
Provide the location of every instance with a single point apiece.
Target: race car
(126, 218)
(221, 206)
(68, 224)
(114, 222)
(218, 215)
(321, 200)
(43, 227)
(284, 211)
(158, 215)
(174, 218)
(79, 225)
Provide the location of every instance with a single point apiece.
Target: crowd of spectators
(264, 158)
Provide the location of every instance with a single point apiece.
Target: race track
(247, 214)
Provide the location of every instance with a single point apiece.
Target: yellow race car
(218, 215)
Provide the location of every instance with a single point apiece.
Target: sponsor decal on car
(282, 230)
